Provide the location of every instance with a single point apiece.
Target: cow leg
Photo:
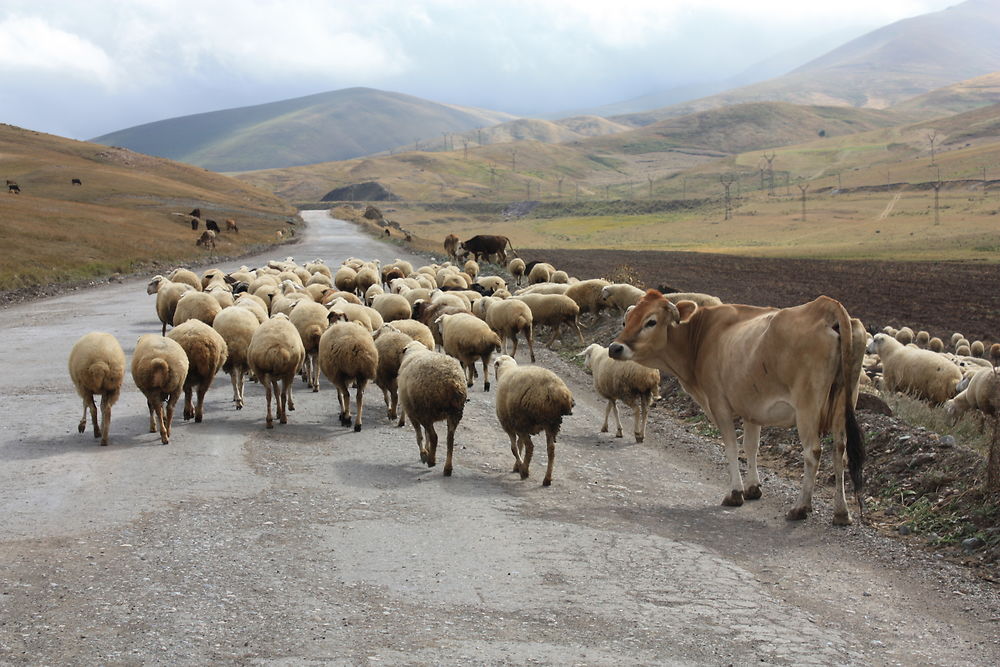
(809, 434)
(751, 443)
(728, 431)
(841, 515)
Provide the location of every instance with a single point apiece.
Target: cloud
(30, 44)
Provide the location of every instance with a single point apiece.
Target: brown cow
(771, 367)
(231, 225)
(207, 239)
(451, 247)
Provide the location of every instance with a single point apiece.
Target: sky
(84, 68)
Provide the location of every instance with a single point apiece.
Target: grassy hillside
(878, 70)
(330, 126)
(974, 93)
(120, 219)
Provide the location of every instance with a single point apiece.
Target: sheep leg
(106, 400)
(152, 419)
(555, 334)
(531, 346)
(516, 451)
(188, 405)
(529, 449)
(486, 370)
(432, 444)
(394, 409)
(161, 418)
(289, 403)
(283, 397)
(199, 408)
(576, 323)
(82, 426)
(344, 396)
(550, 447)
(641, 416)
(388, 403)
(314, 371)
(452, 425)
(359, 399)
(171, 404)
(420, 440)
(267, 392)
(468, 373)
(236, 390)
(618, 419)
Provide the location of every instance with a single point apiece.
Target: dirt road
(311, 543)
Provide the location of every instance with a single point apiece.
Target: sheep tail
(99, 374)
(159, 372)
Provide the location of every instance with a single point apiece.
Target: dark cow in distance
(194, 223)
(484, 245)
(212, 225)
(13, 188)
(76, 181)
(195, 213)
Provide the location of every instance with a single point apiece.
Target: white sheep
(97, 366)
(237, 326)
(699, 298)
(492, 283)
(392, 307)
(530, 399)
(510, 317)
(467, 338)
(167, 294)
(369, 275)
(905, 335)
(418, 331)
(560, 276)
(471, 268)
(543, 288)
(346, 279)
(347, 354)
(206, 351)
(553, 310)
(621, 295)
(275, 354)
(516, 269)
(587, 294)
(159, 368)
(185, 276)
(625, 381)
(922, 373)
(541, 273)
(978, 391)
(389, 343)
(431, 388)
(196, 306)
(310, 320)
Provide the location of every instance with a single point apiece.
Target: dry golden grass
(121, 218)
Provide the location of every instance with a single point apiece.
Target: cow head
(648, 326)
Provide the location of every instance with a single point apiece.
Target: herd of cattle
(362, 322)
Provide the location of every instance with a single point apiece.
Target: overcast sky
(81, 68)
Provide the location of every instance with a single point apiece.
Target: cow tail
(512, 248)
(855, 439)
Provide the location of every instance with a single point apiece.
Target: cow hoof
(603, 430)
(431, 463)
(546, 482)
(423, 457)
(842, 519)
(734, 499)
(82, 427)
(524, 475)
(486, 387)
(239, 406)
(639, 438)
(315, 390)
(357, 428)
(269, 425)
(197, 420)
(752, 492)
(797, 514)
(447, 472)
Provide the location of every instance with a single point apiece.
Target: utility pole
(727, 181)
(650, 179)
(803, 187)
(932, 138)
(559, 182)
(937, 211)
(770, 172)
(513, 160)
(465, 145)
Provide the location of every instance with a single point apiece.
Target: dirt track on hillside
(940, 297)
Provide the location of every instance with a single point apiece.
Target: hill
(974, 93)
(877, 70)
(120, 218)
(336, 125)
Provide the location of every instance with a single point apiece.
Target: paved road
(311, 543)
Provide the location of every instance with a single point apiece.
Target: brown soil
(939, 297)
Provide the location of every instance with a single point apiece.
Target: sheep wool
(206, 351)
(97, 367)
(159, 368)
(626, 381)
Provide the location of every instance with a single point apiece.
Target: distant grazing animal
(387, 233)
(207, 239)
(792, 366)
(10, 182)
(451, 246)
(194, 223)
(13, 188)
(195, 213)
(484, 245)
(231, 226)
(76, 181)
(212, 225)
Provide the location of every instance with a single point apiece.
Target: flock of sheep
(362, 322)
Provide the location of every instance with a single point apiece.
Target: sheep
(389, 343)
(317, 291)
(961, 342)
(509, 318)
(427, 313)
(955, 337)
(467, 338)
(97, 366)
(457, 299)
(413, 295)
(206, 351)
(369, 318)
(540, 273)
(431, 388)
(698, 297)
(559, 276)
(543, 288)
(372, 292)
(922, 339)
(159, 368)
(368, 275)
(274, 355)
(261, 281)
(222, 294)
(480, 307)
(935, 344)
(346, 279)
(347, 353)
(168, 293)
(530, 399)
(963, 351)
(922, 373)
(625, 381)
(284, 303)
(621, 295)
(185, 276)
(905, 335)
(977, 349)
(980, 391)
(319, 267)
(320, 279)
(471, 268)
(237, 326)
(516, 269)
(310, 320)
(587, 294)
(196, 306)
(212, 277)
(418, 331)
(553, 310)
(491, 283)
(392, 307)
(350, 297)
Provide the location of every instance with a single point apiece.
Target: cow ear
(685, 309)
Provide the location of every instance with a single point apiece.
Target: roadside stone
(972, 544)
